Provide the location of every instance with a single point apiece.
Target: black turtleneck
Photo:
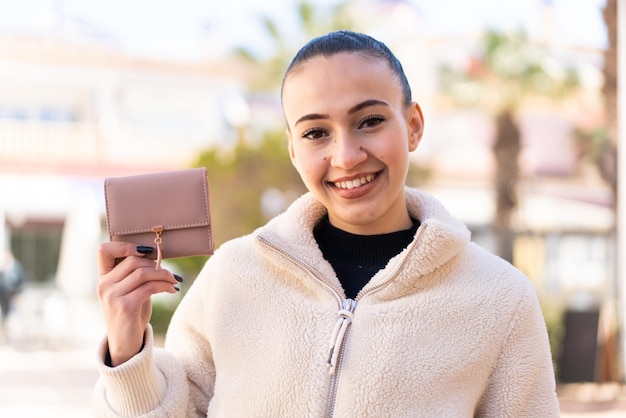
(356, 258)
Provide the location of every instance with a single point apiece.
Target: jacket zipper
(344, 317)
(335, 351)
(305, 266)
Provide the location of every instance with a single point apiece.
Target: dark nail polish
(142, 249)
(177, 288)
(178, 278)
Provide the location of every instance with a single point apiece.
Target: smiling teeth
(351, 184)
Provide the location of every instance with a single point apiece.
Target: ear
(415, 125)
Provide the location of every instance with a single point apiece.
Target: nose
(347, 151)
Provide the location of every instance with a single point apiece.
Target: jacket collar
(439, 238)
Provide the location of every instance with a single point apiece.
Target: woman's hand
(124, 291)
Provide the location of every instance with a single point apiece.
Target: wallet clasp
(158, 230)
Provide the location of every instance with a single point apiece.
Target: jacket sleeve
(523, 383)
(188, 339)
(151, 385)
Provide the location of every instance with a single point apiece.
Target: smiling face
(350, 135)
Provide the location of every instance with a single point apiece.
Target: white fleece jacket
(444, 330)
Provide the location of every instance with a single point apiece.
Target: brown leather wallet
(167, 210)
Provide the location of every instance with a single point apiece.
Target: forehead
(339, 78)
(341, 65)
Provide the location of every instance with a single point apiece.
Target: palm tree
(313, 22)
(507, 70)
(609, 369)
(608, 161)
(599, 144)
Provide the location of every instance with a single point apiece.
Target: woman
(364, 299)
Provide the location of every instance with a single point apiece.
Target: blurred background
(520, 105)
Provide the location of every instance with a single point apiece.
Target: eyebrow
(353, 109)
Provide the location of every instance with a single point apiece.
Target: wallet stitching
(165, 228)
(106, 202)
(206, 207)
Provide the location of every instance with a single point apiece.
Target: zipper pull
(344, 318)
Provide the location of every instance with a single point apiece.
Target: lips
(351, 184)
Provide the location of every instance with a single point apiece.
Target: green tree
(507, 70)
(240, 177)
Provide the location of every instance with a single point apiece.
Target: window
(37, 245)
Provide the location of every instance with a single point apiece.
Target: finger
(134, 289)
(131, 263)
(109, 252)
(144, 292)
(131, 272)
(143, 275)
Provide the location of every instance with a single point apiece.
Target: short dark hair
(347, 41)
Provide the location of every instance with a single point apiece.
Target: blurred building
(72, 114)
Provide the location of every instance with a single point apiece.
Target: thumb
(110, 252)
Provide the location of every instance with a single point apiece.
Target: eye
(314, 133)
(371, 121)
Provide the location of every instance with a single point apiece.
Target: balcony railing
(82, 143)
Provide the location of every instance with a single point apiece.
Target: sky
(176, 29)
